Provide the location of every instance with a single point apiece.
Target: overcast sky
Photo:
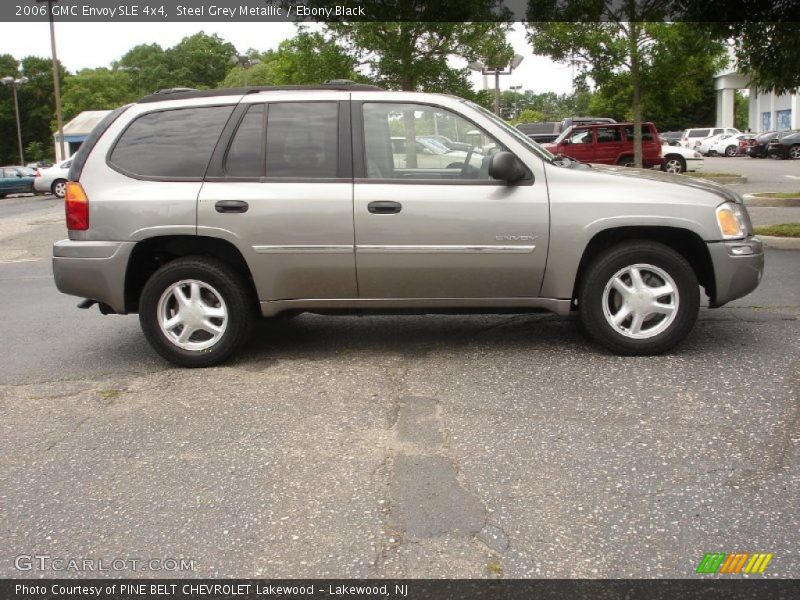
(89, 45)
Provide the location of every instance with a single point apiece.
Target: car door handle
(384, 207)
(231, 206)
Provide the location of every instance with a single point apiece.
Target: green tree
(741, 111)
(407, 45)
(96, 89)
(200, 61)
(647, 60)
(530, 115)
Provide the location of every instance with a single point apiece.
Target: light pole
(16, 83)
(246, 62)
(496, 71)
(516, 88)
(56, 82)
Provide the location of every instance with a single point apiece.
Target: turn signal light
(76, 205)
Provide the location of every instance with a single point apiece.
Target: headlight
(731, 221)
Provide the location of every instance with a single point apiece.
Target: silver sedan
(53, 179)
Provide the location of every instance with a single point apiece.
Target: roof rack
(182, 93)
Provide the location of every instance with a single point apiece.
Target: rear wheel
(639, 298)
(625, 161)
(59, 188)
(730, 151)
(673, 164)
(196, 312)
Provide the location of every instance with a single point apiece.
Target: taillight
(76, 205)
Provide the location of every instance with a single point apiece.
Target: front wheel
(673, 164)
(794, 151)
(196, 312)
(639, 298)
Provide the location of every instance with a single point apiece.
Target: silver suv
(202, 210)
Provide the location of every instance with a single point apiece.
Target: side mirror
(567, 141)
(506, 167)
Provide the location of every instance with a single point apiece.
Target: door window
(647, 133)
(246, 153)
(607, 135)
(581, 136)
(400, 143)
(302, 140)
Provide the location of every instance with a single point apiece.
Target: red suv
(610, 144)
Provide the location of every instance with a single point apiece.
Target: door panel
(451, 241)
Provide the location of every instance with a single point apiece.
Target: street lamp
(56, 82)
(516, 88)
(16, 83)
(496, 71)
(246, 62)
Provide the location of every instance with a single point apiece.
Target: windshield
(513, 131)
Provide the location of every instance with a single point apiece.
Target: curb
(782, 243)
(752, 200)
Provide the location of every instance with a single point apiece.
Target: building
(767, 110)
(76, 131)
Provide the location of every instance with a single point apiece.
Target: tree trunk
(633, 34)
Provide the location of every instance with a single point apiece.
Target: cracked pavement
(416, 446)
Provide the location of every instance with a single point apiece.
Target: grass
(791, 230)
(108, 394)
(777, 194)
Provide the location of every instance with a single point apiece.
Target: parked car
(448, 143)
(15, 180)
(786, 145)
(53, 180)
(729, 145)
(430, 154)
(610, 144)
(670, 136)
(692, 137)
(678, 159)
(546, 132)
(705, 145)
(759, 148)
(290, 200)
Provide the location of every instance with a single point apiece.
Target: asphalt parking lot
(763, 175)
(424, 446)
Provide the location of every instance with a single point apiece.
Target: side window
(647, 133)
(400, 143)
(607, 135)
(581, 136)
(173, 144)
(302, 140)
(245, 156)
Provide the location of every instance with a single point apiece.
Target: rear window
(647, 133)
(698, 133)
(170, 144)
(76, 167)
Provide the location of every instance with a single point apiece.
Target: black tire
(625, 161)
(794, 151)
(731, 151)
(221, 278)
(673, 163)
(58, 189)
(611, 262)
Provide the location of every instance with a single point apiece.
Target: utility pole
(56, 82)
(16, 83)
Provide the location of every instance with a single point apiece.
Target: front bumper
(94, 270)
(738, 267)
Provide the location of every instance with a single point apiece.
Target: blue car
(16, 180)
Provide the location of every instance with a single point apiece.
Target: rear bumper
(94, 270)
(738, 267)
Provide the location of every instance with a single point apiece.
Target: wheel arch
(684, 241)
(150, 254)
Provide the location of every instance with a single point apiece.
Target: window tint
(398, 144)
(246, 153)
(607, 135)
(698, 133)
(647, 133)
(171, 143)
(302, 140)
